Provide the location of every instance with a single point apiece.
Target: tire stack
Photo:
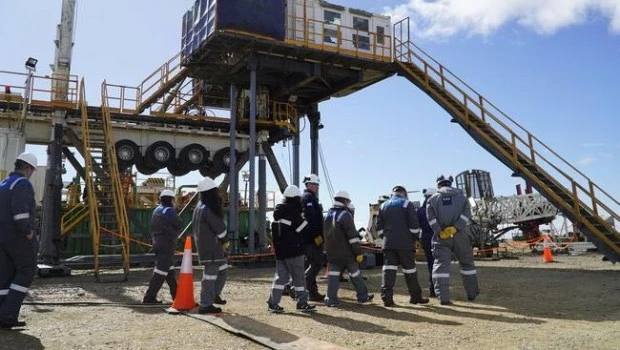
(162, 154)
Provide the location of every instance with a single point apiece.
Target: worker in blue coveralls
(448, 212)
(397, 225)
(211, 242)
(313, 213)
(18, 242)
(343, 248)
(288, 230)
(165, 228)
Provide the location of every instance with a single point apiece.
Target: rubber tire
(184, 156)
(144, 167)
(221, 160)
(127, 146)
(157, 147)
(177, 169)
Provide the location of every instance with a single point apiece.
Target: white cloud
(438, 19)
(586, 160)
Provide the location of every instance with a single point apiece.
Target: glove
(447, 232)
(318, 240)
(359, 258)
(225, 244)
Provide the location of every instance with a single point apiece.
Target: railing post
(122, 101)
(482, 110)
(594, 207)
(466, 108)
(530, 140)
(575, 199)
(514, 149)
(443, 80)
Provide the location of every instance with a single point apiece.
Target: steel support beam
(233, 174)
(51, 213)
(74, 162)
(262, 197)
(275, 167)
(296, 142)
(251, 204)
(314, 118)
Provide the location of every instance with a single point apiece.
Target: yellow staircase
(572, 192)
(108, 216)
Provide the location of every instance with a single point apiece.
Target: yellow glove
(225, 246)
(359, 258)
(447, 232)
(318, 240)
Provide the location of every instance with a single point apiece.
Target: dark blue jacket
(397, 224)
(288, 230)
(165, 225)
(17, 205)
(313, 213)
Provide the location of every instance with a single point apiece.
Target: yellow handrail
(90, 176)
(313, 33)
(73, 217)
(113, 171)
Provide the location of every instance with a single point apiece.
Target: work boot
(421, 300)
(368, 299)
(4, 323)
(388, 303)
(317, 297)
(306, 308)
(151, 300)
(275, 309)
(219, 300)
(209, 310)
(447, 302)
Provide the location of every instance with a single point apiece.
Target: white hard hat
(343, 195)
(28, 158)
(311, 179)
(206, 184)
(292, 191)
(166, 193)
(442, 179)
(429, 191)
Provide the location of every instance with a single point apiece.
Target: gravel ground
(524, 304)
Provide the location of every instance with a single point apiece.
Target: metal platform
(291, 71)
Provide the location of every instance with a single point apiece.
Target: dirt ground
(524, 304)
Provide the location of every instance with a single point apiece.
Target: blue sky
(554, 67)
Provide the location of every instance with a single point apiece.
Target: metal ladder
(108, 217)
(588, 205)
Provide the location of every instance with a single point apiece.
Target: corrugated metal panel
(266, 18)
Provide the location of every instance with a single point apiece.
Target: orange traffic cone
(184, 299)
(547, 256)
